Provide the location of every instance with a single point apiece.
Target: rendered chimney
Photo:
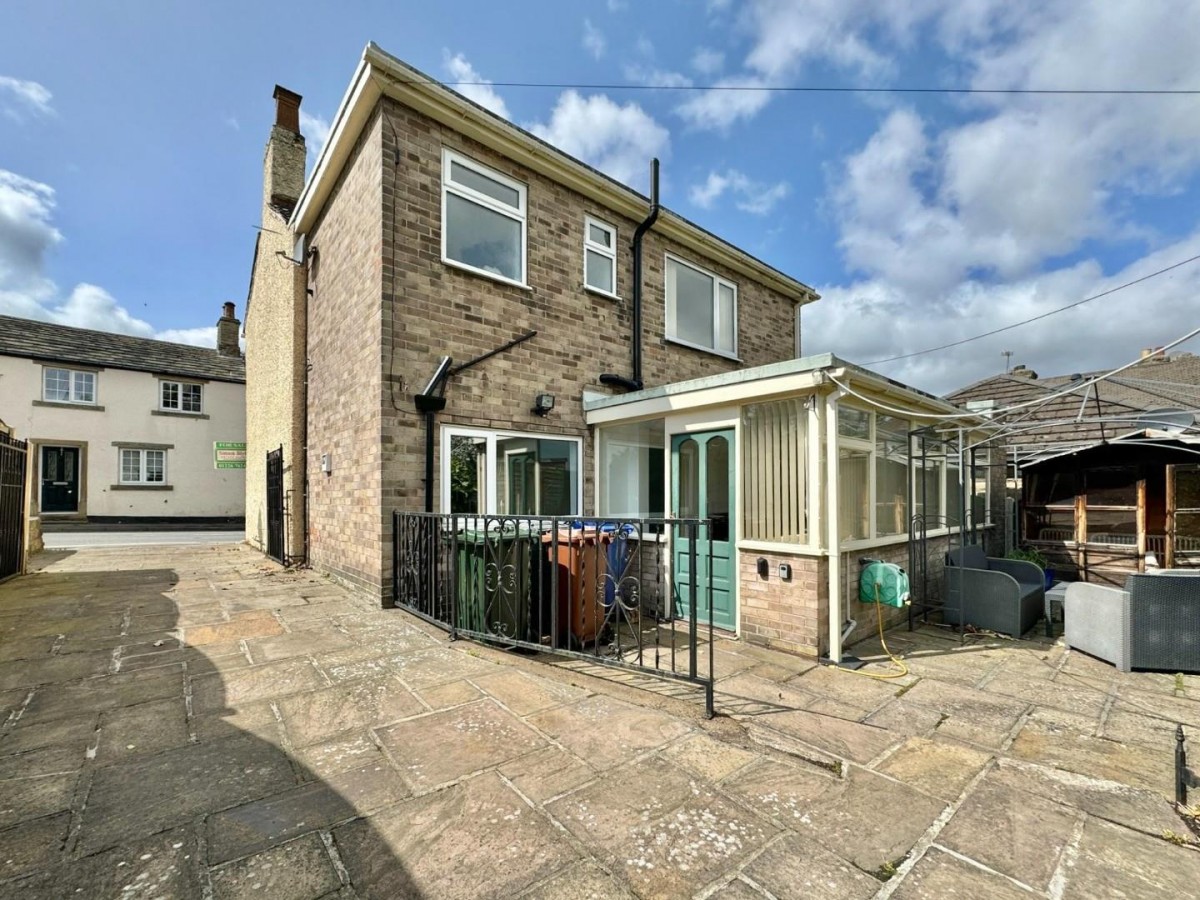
(227, 332)
(283, 165)
(1153, 354)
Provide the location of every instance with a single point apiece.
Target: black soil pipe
(635, 383)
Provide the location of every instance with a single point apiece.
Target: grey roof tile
(60, 343)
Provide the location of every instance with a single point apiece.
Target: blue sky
(131, 139)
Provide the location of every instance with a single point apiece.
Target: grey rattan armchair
(1003, 595)
(1153, 624)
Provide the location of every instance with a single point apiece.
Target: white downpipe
(833, 541)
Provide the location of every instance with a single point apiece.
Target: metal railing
(13, 456)
(633, 594)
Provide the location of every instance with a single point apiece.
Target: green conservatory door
(702, 488)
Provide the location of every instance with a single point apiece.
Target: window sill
(178, 415)
(702, 349)
(141, 487)
(780, 547)
(482, 273)
(616, 298)
(57, 404)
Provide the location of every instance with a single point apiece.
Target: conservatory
(804, 468)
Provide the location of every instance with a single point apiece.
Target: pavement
(73, 540)
(196, 722)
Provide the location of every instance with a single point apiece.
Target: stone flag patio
(197, 722)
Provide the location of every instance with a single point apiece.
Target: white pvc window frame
(164, 404)
(143, 468)
(608, 251)
(672, 331)
(491, 463)
(75, 381)
(518, 213)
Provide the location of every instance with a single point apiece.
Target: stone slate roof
(1153, 384)
(47, 342)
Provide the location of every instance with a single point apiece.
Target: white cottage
(125, 429)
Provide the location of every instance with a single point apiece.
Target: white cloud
(472, 85)
(24, 96)
(707, 61)
(593, 39)
(617, 139)
(27, 235)
(616, 5)
(656, 77)
(719, 110)
(316, 132)
(750, 196)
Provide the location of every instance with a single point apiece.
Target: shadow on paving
(114, 785)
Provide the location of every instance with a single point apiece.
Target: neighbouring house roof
(1112, 408)
(380, 74)
(62, 344)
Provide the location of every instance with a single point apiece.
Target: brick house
(431, 229)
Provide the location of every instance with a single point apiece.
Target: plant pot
(1049, 578)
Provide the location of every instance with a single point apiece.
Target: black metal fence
(13, 458)
(275, 545)
(600, 591)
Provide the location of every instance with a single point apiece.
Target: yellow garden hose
(882, 676)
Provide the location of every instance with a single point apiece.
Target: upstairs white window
(701, 308)
(179, 396)
(143, 466)
(68, 386)
(483, 219)
(600, 256)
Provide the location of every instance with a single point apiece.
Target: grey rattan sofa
(1153, 624)
(1004, 595)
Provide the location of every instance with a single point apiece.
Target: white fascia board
(380, 73)
(726, 395)
(348, 122)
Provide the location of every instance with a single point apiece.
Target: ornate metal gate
(275, 544)
(13, 456)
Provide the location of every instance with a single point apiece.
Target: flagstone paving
(196, 722)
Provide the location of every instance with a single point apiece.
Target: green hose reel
(883, 582)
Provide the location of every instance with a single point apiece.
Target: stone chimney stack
(1023, 372)
(227, 332)
(283, 165)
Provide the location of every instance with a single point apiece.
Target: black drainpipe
(635, 383)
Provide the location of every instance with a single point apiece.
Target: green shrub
(1029, 554)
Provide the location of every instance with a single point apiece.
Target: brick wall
(785, 615)
(345, 373)
(431, 309)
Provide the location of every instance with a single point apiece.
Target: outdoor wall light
(543, 403)
(764, 568)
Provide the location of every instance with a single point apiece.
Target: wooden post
(1141, 525)
(1169, 561)
(1081, 535)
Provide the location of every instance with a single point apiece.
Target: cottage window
(140, 466)
(599, 256)
(179, 396)
(483, 219)
(68, 386)
(498, 473)
(701, 308)
(774, 469)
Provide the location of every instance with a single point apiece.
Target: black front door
(60, 479)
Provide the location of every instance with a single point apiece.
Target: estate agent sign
(229, 454)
